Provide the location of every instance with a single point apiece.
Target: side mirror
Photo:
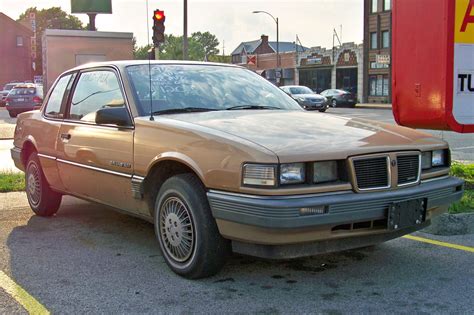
(113, 116)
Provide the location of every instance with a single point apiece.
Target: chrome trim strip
(277, 196)
(140, 178)
(98, 169)
(419, 171)
(49, 157)
(434, 179)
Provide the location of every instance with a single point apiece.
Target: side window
(95, 90)
(56, 99)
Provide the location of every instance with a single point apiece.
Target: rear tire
(186, 231)
(12, 114)
(334, 103)
(42, 199)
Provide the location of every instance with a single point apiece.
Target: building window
(19, 41)
(387, 5)
(385, 39)
(373, 40)
(379, 85)
(375, 65)
(374, 6)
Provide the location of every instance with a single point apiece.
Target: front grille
(372, 173)
(408, 169)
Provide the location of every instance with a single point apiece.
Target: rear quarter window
(57, 98)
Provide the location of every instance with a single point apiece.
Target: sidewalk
(6, 162)
(374, 106)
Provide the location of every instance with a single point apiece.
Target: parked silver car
(307, 99)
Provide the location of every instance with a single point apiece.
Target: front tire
(12, 114)
(322, 110)
(334, 103)
(188, 235)
(42, 199)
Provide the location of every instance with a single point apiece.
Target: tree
(54, 18)
(207, 43)
(202, 46)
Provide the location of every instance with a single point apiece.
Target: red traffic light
(159, 15)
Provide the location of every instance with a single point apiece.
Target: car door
(96, 161)
(45, 131)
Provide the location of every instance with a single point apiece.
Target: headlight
(426, 160)
(438, 158)
(300, 99)
(434, 159)
(259, 175)
(293, 173)
(325, 172)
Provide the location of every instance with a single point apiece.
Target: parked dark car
(307, 99)
(338, 98)
(23, 98)
(6, 89)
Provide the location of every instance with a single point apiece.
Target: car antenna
(149, 60)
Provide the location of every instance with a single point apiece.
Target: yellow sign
(464, 24)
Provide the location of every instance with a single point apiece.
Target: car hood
(305, 136)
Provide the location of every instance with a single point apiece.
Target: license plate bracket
(406, 214)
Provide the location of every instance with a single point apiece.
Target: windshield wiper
(252, 107)
(183, 110)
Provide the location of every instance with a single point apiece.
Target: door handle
(65, 136)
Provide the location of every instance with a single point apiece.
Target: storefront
(317, 79)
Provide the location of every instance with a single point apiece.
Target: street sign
(252, 60)
(382, 59)
(434, 87)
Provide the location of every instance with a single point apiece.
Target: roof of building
(8, 19)
(251, 46)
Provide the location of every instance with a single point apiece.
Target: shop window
(374, 6)
(379, 85)
(385, 39)
(373, 40)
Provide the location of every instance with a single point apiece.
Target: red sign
(432, 75)
(252, 60)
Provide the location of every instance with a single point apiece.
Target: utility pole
(185, 31)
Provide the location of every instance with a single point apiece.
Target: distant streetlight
(278, 41)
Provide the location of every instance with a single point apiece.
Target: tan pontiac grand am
(220, 160)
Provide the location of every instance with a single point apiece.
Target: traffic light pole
(185, 31)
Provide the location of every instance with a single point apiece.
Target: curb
(451, 224)
(368, 106)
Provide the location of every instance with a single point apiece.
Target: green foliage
(466, 172)
(12, 182)
(201, 47)
(52, 18)
(466, 204)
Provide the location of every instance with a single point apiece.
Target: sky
(231, 21)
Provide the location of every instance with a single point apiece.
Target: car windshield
(203, 87)
(301, 90)
(23, 91)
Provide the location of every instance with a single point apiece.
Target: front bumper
(16, 157)
(276, 220)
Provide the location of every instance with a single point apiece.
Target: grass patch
(12, 182)
(466, 172)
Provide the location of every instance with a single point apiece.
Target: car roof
(26, 85)
(125, 63)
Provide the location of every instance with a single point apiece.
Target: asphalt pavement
(91, 259)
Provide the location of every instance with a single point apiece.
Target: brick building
(260, 56)
(339, 68)
(15, 51)
(378, 50)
